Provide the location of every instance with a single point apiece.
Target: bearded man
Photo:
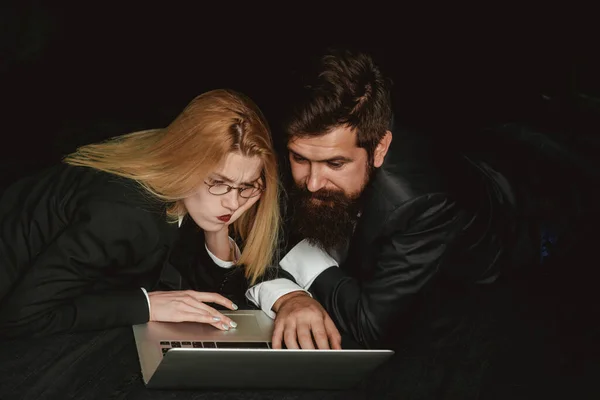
(380, 216)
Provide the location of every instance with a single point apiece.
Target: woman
(81, 242)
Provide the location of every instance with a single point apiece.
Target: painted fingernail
(226, 327)
(233, 324)
(234, 306)
(216, 319)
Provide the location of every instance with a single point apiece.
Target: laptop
(188, 355)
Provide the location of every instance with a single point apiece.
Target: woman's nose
(231, 200)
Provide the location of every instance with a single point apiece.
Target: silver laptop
(192, 355)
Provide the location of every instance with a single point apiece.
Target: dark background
(74, 74)
(78, 73)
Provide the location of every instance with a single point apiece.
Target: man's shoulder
(417, 165)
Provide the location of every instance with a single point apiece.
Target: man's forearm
(306, 262)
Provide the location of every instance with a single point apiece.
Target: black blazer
(76, 245)
(428, 214)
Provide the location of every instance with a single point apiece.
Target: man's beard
(326, 218)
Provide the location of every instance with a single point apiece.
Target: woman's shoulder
(83, 188)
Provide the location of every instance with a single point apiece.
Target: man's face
(330, 173)
(332, 162)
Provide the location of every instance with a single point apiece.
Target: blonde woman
(82, 243)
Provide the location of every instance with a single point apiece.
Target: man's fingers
(302, 324)
(277, 336)
(289, 336)
(320, 335)
(305, 336)
(333, 335)
(212, 298)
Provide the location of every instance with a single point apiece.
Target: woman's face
(213, 212)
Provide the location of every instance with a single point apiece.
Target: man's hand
(188, 305)
(300, 318)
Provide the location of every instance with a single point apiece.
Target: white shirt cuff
(148, 300)
(226, 264)
(305, 262)
(266, 293)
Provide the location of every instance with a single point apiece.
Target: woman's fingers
(192, 316)
(180, 306)
(212, 298)
(203, 308)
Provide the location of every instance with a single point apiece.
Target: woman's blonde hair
(171, 164)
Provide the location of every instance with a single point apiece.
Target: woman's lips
(225, 218)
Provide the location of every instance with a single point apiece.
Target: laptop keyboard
(166, 345)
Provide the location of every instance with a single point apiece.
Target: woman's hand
(189, 306)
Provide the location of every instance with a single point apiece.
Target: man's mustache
(323, 194)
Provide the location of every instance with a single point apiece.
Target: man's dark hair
(343, 87)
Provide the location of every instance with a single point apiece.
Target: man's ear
(382, 149)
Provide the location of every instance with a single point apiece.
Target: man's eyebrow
(338, 159)
(332, 159)
(225, 179)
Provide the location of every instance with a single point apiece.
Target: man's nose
(315, 180)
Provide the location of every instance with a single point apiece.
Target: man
(378, 215)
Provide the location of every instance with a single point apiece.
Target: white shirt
(218, 261)
(305, 263)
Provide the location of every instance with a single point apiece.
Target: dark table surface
(516, 341)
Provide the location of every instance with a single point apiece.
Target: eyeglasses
(246, 192)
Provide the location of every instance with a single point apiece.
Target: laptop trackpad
(247, 329)
(246, 324)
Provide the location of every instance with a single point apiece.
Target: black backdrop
(79, 73)
(74, 74)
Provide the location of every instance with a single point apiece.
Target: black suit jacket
(76, 245)
(428, 214)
